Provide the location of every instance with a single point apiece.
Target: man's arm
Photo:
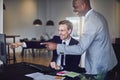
(29, 44)
(50, 45)
(78, 49)
(15, 45)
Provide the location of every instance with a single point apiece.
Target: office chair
(24, 49)
(3, 55)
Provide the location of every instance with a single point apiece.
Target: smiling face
(79, 7)
(64, 32)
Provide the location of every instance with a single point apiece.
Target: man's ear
(69, 31)
(83, 5)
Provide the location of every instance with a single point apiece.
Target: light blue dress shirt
(95, 40)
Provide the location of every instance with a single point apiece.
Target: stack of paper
(41, 76)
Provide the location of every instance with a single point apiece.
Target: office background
(19, 15)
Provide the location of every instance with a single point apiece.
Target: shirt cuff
(61, 68)
(1, 62)
(24, 44)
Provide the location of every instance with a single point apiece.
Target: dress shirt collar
(88, 12)
(66, 41)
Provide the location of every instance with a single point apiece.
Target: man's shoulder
(56, 36)
(74, 41)
(56, 39)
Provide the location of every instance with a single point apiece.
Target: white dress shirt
(24, 44)
(95, 40)
(59, 56)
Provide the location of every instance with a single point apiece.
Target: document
(41, 76)
(68, 73)
(72, 74)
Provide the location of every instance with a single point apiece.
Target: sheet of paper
(72, 74)
(40, 76)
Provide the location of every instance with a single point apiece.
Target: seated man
(65, 62)
(70, 62)
(62, 62)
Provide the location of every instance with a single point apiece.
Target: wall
(1, 16)
(16, 20)
(118, 18)
(60, 9)
(108, 9)
(19, 16)
(41, 14)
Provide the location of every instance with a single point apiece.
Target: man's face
(77, 7)
(64, 33)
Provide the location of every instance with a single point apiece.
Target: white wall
(1, 16)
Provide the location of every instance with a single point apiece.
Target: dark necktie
(62, 57)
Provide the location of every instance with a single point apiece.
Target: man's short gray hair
(68, 23)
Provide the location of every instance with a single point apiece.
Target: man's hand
(50, 45)
(54, 65)
(15, 45)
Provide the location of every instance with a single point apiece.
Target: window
(77, 26)
(76, 33)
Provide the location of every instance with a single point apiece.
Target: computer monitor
(3, 55)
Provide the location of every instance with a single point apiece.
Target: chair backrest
(24, 39)
(3, 55)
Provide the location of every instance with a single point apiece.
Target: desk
(18, 71)
(13, 37)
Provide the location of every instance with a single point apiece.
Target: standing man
(95, 40)
(62, 61)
